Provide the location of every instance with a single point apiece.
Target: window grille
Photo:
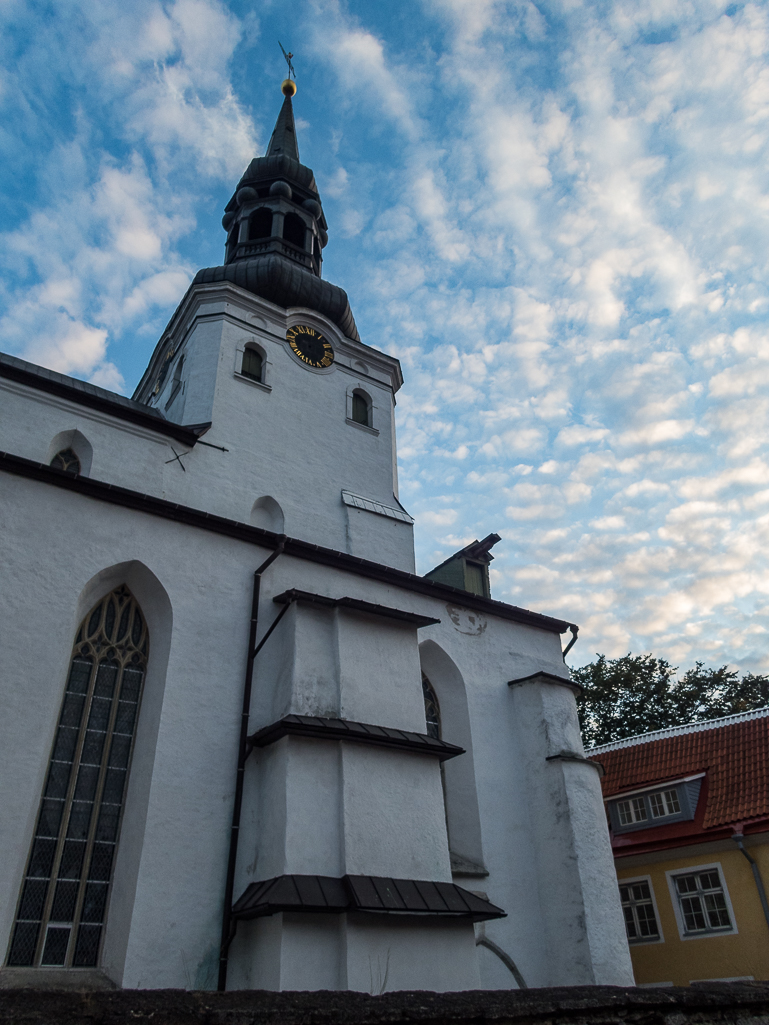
(64, 896)
(665, 803)
(66, 460)
(632, 811)
(252, 364)
(655, 808)
(638, 909)
(702, 902)
(360, 409)
(432, 709)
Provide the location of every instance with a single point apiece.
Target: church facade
(243, 744)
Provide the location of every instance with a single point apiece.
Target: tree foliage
(622, 697)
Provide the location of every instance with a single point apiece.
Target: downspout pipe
(574, 631)
(738, 839)
(228, 931)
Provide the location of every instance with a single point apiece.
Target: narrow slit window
(253, 364)
(432, 709)
(63, 902)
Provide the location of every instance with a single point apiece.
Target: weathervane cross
(288, 57)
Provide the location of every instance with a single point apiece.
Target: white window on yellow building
(701, 902)
(641, 920)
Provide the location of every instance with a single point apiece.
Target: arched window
(66, 460)
(253, 363)
(294, 230)
(361, 409)
(260, 223)
(432, 709)
(64, 897)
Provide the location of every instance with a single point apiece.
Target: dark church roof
(272, 267)
(277, 279)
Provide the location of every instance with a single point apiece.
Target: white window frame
(671, 875)
(632, 801)
(641, 941)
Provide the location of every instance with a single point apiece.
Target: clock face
(310, 346)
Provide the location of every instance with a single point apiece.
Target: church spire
(283, 141)
(276, 230)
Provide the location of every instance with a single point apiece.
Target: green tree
(623, 697)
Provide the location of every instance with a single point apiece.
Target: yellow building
(688, 811)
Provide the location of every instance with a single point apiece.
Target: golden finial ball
(288, 88)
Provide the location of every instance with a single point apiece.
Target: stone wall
(737, 1003)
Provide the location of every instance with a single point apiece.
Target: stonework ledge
(745, 1003)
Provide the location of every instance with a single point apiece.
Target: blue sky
(555, 215)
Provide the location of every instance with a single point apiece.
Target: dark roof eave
(14, 369)
(295, 547)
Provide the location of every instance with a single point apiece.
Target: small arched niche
(294, 230)
(71, 451)
(266, 513)
(447, 713)
(260, 223)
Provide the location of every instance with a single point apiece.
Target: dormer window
(665, 803)
(655, 806)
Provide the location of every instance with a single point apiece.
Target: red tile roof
(733, 754)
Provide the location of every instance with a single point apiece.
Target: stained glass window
(432, 709)
(66, 460)
(63, 900)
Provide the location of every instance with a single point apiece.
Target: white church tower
(244, 745)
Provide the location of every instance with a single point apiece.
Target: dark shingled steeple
(276, 231)
(283, 139)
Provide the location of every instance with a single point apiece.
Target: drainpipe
(228, 926)
(738, 838)
(574, 631)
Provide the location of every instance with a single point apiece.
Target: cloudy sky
(556, 215)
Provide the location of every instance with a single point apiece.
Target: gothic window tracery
(66, 460)
(63, 901)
